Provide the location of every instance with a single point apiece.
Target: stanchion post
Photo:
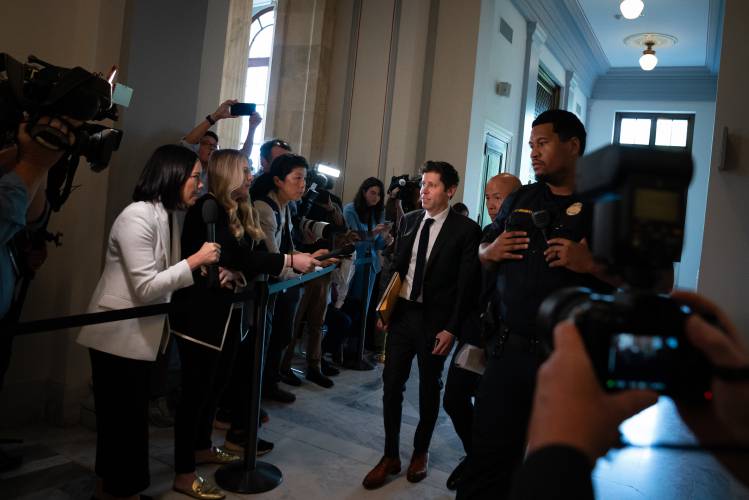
(360, 363)
(252, 475)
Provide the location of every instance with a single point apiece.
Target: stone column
(234, 77)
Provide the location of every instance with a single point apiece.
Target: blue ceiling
(687, 20)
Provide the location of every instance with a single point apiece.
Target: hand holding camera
(570, 407)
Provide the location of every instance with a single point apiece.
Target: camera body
(41, 89)
(408, 191)
(635, 336)
(635, 340)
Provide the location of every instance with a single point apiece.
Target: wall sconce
(631, 9)
(648, 59)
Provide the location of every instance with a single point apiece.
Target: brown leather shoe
(382, 470)
(417, 469)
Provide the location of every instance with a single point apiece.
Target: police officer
(538, 245)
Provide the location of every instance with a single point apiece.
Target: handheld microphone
(210, 216)
(345, 251)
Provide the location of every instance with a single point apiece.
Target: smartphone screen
(243, 108)
(640, 361)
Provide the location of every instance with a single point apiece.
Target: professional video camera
(41, 89)
(635, 337)
(317, 193)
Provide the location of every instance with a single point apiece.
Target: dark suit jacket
(452, 275)
(206, 321)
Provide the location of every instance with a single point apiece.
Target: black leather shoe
(275, 393)
(328, 370)
(314, 375)
(290, 378)
(455, 476)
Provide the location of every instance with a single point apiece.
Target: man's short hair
(268, 146)
(211, 133)
(461, 208)
(448, 175)
(566, 125)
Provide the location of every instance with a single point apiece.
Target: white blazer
(137, 272)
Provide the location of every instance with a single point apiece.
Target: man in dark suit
(437, 259)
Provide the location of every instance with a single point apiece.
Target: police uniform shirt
(522, 285)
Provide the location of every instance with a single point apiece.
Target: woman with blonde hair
(208, 332)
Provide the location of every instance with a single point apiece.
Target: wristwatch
(210, 120)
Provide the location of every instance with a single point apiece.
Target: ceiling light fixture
(648, 59)
(631, 9)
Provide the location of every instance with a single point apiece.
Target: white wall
(724, 273)
(497, 60)
(600, 132)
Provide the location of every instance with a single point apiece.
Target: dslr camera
(635, 337)
(40, 89)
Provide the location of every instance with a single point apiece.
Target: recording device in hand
(242, 108)
(344, 251)
(635, 337)
(41, 89)
(407, 189)
(210, 217)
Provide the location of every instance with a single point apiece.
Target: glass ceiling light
(648, 59)
(631, 9)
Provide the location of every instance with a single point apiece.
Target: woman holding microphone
(142, 267)
(208, 334)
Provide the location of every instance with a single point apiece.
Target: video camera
(635, 336)
(406, 185)
(42, 89)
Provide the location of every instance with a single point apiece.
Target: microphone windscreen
(401, 182)
(210, 211)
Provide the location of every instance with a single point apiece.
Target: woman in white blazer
(141, 268)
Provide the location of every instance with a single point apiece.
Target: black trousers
(339, 325)
(460, 388)
(202, 385)
(503, 407)
(406, 339)
(121, 392)
(281, 322)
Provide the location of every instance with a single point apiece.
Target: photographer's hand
(503, 246)
(723, 346)
(570, 407)
(35, 159)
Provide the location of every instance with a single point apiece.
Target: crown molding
(661, 84)
(570, 37)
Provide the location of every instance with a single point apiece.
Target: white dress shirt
(434, 231)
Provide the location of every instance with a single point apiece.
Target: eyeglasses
(281, 144)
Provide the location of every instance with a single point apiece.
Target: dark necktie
(421, 257)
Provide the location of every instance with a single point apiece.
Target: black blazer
(452, 275)
(207, 318)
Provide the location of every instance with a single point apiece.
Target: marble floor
(329, 439)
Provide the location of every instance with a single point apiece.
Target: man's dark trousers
(503, 407)
(407, 338)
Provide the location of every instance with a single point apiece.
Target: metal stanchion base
(358, 364)
(233, 477)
